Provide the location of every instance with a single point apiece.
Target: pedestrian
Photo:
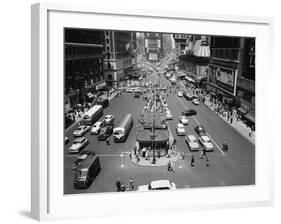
(250, 132)
(201, 154)
(231, 119)
(173, 166)
(224, 146)
(192, 161)
(107, 141)
(131, 184)
(123, 187)
(169, 166)
(137, 159)
(182, 155)
(118, 184)
(207, 161)
(146, 155)
(204, 151)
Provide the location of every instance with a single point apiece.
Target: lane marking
(195, 119)
(112, 155)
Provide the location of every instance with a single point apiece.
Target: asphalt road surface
(235, 167)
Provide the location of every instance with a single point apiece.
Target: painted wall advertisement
(222, 77)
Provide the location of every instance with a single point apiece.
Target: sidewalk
(237, 125)
(112, 96)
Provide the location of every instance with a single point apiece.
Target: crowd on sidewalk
(224, 110)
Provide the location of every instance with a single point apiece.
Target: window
(107, 41)
(108, 65)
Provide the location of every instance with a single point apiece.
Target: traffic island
(138, 160)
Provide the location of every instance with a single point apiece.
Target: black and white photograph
(147, 111)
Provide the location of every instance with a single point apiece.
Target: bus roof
(125, 119)
(92, 111)
(85, 164)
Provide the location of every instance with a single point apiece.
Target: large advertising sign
(153, 57)
(223, 77)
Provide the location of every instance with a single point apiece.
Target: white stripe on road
(195, 119)
(115, 154)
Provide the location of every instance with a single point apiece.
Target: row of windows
(82, 50)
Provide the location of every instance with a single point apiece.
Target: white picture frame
(48, 201)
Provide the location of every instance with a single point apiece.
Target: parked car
(205, 141)
(180, 93)
(169, 115)
(105, 132)
(180, 129)
(183, 119)
(158, 185)
(200, 130)
(192, 143)
(81, 130)
(81, 157)
(129, 90)
(78, 145)
(109, 119)
(188, 96)
(189, 112)
(195, 101)
(96, 127)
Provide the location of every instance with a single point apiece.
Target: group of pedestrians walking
(121, 187)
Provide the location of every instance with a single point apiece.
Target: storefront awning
(250, 117)
(242, 111)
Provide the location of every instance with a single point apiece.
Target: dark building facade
(119, 56)
(224, 67)
(246, 81)
(83, 65)
(231, 74)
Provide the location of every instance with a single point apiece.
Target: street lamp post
(153, 138)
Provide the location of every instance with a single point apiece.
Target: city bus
(86, 172)
(92, 115)
(121, 133)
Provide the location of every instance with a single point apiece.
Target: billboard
(223, 77)
(153, 57)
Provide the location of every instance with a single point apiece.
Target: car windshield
(84, 156)
(192, 139)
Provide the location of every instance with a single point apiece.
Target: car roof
(82, 126)
(160, 183)
(80, 139)
(180, 125)
(205, 137)
(191, 137)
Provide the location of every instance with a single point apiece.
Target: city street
(234, 167)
